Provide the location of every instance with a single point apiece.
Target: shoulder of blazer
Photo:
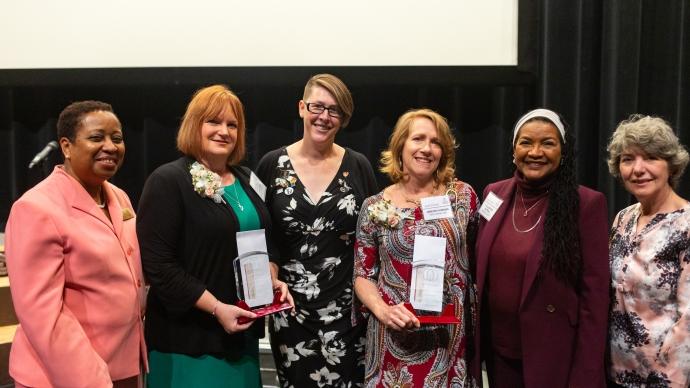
(496, 186)
(587, 194)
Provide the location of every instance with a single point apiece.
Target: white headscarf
(543, 113)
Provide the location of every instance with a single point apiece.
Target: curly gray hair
(654, 137)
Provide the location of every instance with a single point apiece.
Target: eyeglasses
(317, 109)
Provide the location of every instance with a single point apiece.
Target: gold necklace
(417, 201)
(526, 230)
(524, 214)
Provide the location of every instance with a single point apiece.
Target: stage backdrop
(595, 62)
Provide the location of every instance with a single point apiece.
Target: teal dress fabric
(173, 370)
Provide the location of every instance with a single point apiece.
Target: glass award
(426, 285)
(253, 276)
(254, 287)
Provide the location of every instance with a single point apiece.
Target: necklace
(526, 230)
(237, 197)
(525, 206)
(103, 202)
(418, 201)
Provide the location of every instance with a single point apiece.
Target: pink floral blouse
(649, 327)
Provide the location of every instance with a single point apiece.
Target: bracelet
(215, 306)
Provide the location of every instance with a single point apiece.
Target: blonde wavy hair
(391, 158)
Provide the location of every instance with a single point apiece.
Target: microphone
(53, 145)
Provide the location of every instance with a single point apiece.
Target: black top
(187, 246)
(316, 239)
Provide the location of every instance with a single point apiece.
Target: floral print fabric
(319, 346)
(649, 329)
(434, 355)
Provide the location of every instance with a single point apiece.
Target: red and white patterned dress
(434, 355)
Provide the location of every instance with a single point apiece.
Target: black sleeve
(160, 226)
(366, 174)
(265, 171)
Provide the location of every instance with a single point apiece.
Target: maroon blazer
(563, 332)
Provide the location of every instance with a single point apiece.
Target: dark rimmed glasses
(317, 109)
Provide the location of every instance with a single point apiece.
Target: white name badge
(490, 206)
(258, 186)
(428, 269)
(436, 207)
(253, 268)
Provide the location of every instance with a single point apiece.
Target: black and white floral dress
(317, 347)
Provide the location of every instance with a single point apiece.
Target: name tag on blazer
(258, 186)
(490, 206)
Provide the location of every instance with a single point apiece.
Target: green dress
(173, 370)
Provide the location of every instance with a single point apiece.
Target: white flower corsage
(206, 182)
(385, 214)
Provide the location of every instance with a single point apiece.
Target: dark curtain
(594, 62)
(599, 62)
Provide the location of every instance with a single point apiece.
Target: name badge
(436, 207)
(490, 206)
(252, 269)
(428, 269)
(258, 186)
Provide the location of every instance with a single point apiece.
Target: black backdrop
(595, 62)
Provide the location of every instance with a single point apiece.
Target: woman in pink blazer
(74, 267)
(542, 266)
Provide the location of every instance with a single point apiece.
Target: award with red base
(447, 316)
(254, 288)
(275, 307)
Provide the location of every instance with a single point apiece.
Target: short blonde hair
(207, 104)
(654, 137)
(391, 163)
(338, 89)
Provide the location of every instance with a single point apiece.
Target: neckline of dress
(301, 183)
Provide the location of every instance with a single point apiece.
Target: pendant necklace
(103, 202)
(525, 206)
(525, 215)
(237, 197)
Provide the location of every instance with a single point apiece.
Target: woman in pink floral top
(399, 351)
(649, 329)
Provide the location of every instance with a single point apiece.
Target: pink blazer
(77, 286)
(563, 332)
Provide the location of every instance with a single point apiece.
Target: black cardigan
(187, 246)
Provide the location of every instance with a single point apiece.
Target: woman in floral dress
(315, 189)
(399, 351)
(649, 335)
